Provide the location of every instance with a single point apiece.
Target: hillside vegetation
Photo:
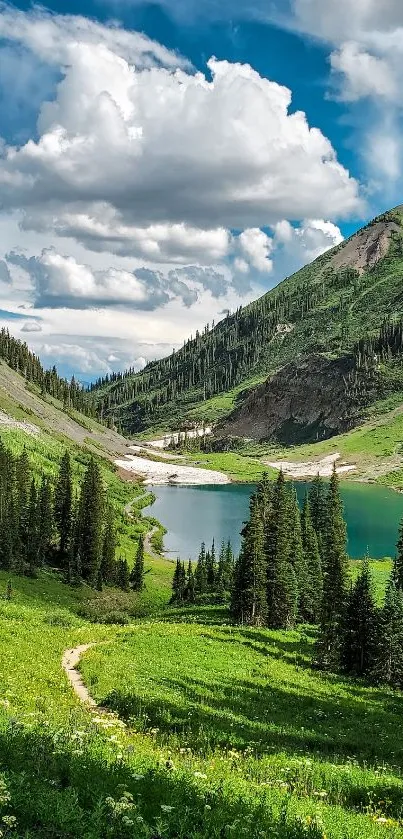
(324, 310)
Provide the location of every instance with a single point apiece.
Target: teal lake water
(195, 514)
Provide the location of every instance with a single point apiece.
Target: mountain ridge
(325, 308)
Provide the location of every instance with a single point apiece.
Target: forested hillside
(344, 297)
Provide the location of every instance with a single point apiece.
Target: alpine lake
(193, 514)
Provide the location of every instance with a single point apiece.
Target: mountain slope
(324, 309)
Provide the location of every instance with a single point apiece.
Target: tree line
(20, 358)
(50, 523)
(210, 580)
(293, 568)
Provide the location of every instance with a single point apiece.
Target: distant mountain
(312, 319)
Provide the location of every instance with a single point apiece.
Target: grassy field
(230, 731)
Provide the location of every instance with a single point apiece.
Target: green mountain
(328, 321)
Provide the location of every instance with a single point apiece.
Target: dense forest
(210, 581)
(48, 524)
(19, 357)
(320, 309)
(293, 568)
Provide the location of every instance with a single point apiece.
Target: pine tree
(90, 522)
(211, 567)
(335, 581)
(178, 583)
(398, 563)
(314, 587)
(360, 629)
(282, 591)
(63, 504)
(297, 559)
(190, 584)
(108, 564)
(248, 602)
(45, 522)
(318, 509)
(123, 575)
(137, 574)
(200, 572)
(32, 548)
(388, 666)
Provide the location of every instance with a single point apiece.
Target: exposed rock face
(367, 247)
(310, 399)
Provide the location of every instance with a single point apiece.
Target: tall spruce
(123, 574)
(388, 666)
(282, 590)
(190, 584)
(361, 626)
(335, 581)
(314, 583)
(45, 522)
(63, 505)
(298, 560)
(249, 598)
(108, 562)
(200, 572)
(137, 574)
(398, 563)
(90, 522)
(178, 583)
(318, 509)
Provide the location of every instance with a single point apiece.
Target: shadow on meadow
(58, 792)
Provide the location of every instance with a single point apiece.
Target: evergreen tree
(335, 582)
(108, 564)
(318, 511)
(200, 572)
(360, 629)
(123, 575)
(298, 561)
(282, 591)
(32, 548)
(190, 584)
(90, 519)
(63, 504)
(264, 497)
(45, 522)
(248, 602)
(314, 586)
(137, 574)
(178, 583)
(398, 563)
(211, 567)
(388, 666)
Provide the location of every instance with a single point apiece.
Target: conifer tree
(360, 629)
(282, 592)
(190, 584)
(398, 563)
(211, 567)
(318, 510)
(108, 564)
(335, 581)
(137, 574)
(249, 603)
(63, 504)
(264, 497)
(297, 559)
(314, 586)
(178, 583)
(123, 575)
(200, 572)
(90, 521)
(45, 522)
(388, 666)
(32, 548)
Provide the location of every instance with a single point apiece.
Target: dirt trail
(70, 662)
(147, 539)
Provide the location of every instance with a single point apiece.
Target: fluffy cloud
(363, 74)
(256, 248)
(301, 245)
(31, 326)
(60, 281)
(5, 276)
(164, 158)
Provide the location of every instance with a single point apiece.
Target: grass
(250, 741)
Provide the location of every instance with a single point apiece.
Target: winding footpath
(147, 538)
(70, 661)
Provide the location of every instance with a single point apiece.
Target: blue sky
(146, 187)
